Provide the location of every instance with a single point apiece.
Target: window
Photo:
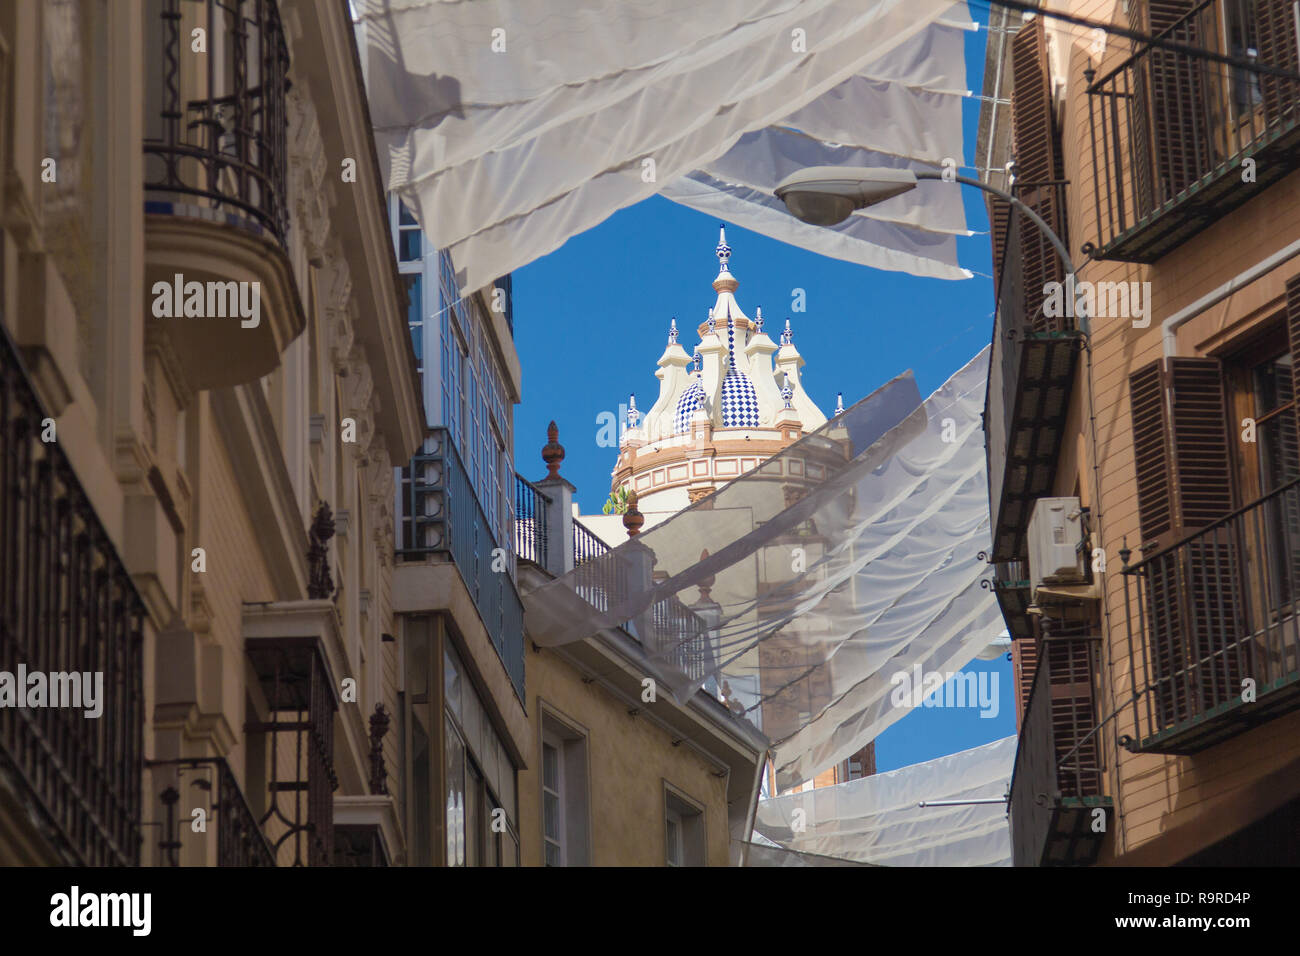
(684, 843)
(1243, 42)
(673, 838)
(480, 766)
(415, 316)
(552, 803)
(1264, 392)
(564, 797)
(409, 238)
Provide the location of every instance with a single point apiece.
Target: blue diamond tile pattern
(691, 399)
(739, 401)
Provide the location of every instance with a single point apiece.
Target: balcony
(297, 741)
(67, 605)
(216, 200)
(1211, 611)
(532, 543)
(1057, 783)
(1031, 377)
(441, 515)
(1171, 130)
(240, 842)
(671, 631)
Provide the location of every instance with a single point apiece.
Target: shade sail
(877, 819)
(509, 126)
(802, 587)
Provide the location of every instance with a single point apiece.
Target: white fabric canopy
(807, 584)
(877, 819)
(508, 126)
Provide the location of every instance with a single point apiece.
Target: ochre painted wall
(628, 760)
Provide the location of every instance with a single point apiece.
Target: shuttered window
(1039, 166)
(1184, 484)
(1275, 27)
(1170, 100)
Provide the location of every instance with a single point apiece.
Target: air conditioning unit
(1055, 532)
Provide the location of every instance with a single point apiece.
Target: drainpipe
(1169, 328)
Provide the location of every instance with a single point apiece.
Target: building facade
(1142, 413)
(207, 379)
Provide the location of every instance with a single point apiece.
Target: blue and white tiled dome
(691, 399)
(739, 400)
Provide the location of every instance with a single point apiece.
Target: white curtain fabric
(878, 819)
(802, 588)
(508, 126)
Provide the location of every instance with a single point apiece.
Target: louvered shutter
(1170, 103)
(1275, 28)
(1070, 664)
(1293, 333)
(1184, 484)
(1039, 164)
(1024, 663)
(999, 219)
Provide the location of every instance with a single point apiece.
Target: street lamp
(826, 195)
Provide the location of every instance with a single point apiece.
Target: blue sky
(591, 320)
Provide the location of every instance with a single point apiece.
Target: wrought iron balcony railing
(531, 532)
(217, 123)
(299, 742)
(240, 842)
(1057, 784)
(1214, 639)
(441, 514)
(67, 607)
(1171, 130)
(1031, 376)
(671, 630)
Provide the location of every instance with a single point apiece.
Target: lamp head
(826, 195)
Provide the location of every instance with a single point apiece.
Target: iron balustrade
(1211, 611)
(441, 514)
(531, 532)
(1031, 373)
(1170, 130)
(219, 133)
(240, 841)
(67, 604)
(670, 630)
(1056, 783)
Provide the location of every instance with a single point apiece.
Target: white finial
(633, 416)
(787, 337)
(787, 391)
(723, 250)
(839, 403)
(758, 319)
(672, 331)
(710, 322)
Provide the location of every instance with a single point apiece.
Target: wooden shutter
(1293, 334)
(1276, 32)
(1024, 664)
(1039, 166)
(1184, 484)
(999, 220)
(1069, 660)
(1171, 131)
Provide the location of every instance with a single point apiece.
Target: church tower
(733, 402)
